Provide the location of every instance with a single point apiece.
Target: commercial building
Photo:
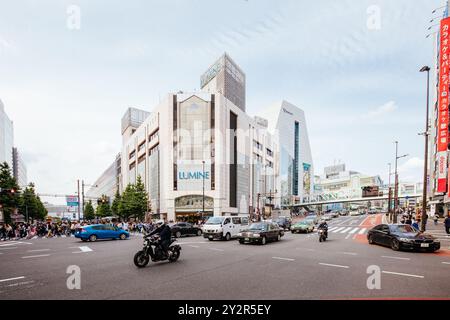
(225, 77)
(106, 185)
(19, 169)
(6, 137)
(339, 183)
(296, 164)
(200, 155)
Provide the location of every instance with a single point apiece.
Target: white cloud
(381, 111)
(411, 170)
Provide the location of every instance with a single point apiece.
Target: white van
(224, 228)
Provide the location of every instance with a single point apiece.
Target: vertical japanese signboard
(443, 103)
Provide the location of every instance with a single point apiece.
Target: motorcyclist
(323, 226)
(165, 235)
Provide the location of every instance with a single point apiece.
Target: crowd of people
(25, 230)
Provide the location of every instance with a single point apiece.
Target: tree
(29, 207)
(10, 199)
(103, 208)
(134, 201)
(115, 204)
(89, 212)
(42, 211)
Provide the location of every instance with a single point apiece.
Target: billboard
(306, 179)
(443, 103)
(370, 192)
(190, 176)
(72, 201)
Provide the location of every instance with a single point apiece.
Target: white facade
(195, 139)
(6, 137)
(19, 169)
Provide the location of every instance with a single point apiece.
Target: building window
(141, 146)
(296, 159)
(153, 150)
(133, 165)
(269, 152)
(154, 135)
(257, 145)
(269, 164)
(132, 154)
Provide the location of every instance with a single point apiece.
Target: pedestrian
(447, 225)
(436, 219)
(415, 224)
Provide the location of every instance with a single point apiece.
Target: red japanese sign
(443, 104)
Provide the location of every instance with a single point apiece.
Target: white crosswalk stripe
(331, 229)
(338, 229)
(353, 231)
(346, 230)
(362, 231)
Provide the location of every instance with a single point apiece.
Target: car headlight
(406, 240)
(256, 235)
(239, 234)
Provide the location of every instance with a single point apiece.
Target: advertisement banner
(306, 179)
(442, 172)
(191, 176)
(443, 103)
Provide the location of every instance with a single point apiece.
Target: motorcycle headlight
(406, 240)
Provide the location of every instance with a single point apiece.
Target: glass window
(236, 220)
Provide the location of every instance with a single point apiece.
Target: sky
(66, 78)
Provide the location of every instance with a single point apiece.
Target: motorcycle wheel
(141, 259)
(175, 255)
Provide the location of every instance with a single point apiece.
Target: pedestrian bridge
(352, 200)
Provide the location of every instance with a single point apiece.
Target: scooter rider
(323, 225)
(165, 235)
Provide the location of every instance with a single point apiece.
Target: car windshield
(258, 226)
(215, 220)
(406, 228)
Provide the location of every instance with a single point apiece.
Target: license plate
(247, 239)
(425, 245)
(210, 237)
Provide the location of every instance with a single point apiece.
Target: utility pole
(390, 194)
(425, 170)
(82, 195)
(79, 204)
(396, 181)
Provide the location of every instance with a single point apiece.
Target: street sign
(72, 201)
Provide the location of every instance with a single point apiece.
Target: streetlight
(396, 181)
(425, 169)
(390, 192)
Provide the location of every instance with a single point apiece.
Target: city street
(297, 267)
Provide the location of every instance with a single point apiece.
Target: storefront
(190, 208)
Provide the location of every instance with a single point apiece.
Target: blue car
(101, 231)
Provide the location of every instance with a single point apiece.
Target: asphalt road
(298, 267)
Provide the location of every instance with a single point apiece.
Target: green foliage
(134, 201)
(115, 204)
(103, 208)
(8, 200)
(89, 212)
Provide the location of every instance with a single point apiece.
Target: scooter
(322, 235)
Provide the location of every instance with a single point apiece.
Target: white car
(354, 213)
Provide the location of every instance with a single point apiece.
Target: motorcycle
(152, 250)
(322, 235)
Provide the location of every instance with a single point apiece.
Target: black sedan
(402, 236)
(261, 232)
(185, 229)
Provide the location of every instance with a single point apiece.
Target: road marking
(194, 246)
(346, 230)
(353, 231)
(286, 259)
(334, 265)
(350, 253)
(338, 229)
(8, 244)
(83, 249)
(214, 249)
(348, 236)
(363, 230)
(403, 274)
(388, 257)
(38, 256)
(182, 243)
(9, 248)
(12, 279)
(38, 250)
(331, 229)
(446, 262)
